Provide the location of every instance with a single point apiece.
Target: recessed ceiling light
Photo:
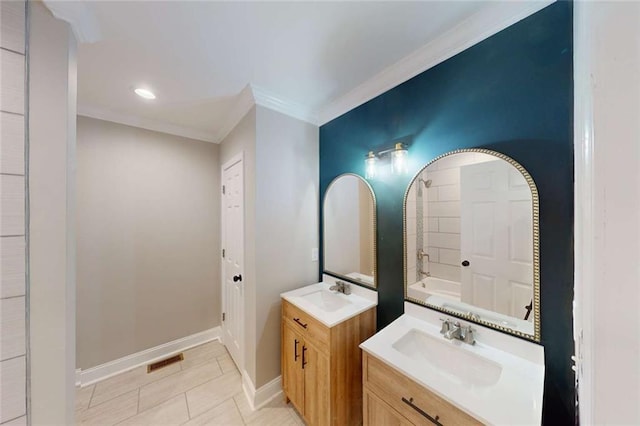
(144, 93)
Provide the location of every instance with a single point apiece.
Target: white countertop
(515, 399)
(360, 300)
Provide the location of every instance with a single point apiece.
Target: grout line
(93, 391)
(12, 113)
(12, 174)
(14, 418)
(211, 408)
(186, 401)
(27, 206)
(12, 297)
(13, 51)
(7, 236)
(237, 407)
(14, 357)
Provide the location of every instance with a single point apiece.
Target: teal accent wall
(511, 93)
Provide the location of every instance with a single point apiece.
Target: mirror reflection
(349, 230)
(469, 236)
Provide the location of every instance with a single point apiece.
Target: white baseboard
(109, 369)
(261, 397)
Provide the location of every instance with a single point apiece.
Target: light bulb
(370, 166)
(399, 160)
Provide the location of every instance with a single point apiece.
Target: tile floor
(204, 389)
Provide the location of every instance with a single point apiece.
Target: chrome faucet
(453, 330)
(421, 255)
(341, 287)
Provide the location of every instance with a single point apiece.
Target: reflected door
(496, 238)
(233, 258)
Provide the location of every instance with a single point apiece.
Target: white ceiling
(198, 56)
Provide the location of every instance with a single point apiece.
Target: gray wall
(13, 290)
(52, 149)
(286, 224)
(243, 139)
(281, 225)
(148, 215)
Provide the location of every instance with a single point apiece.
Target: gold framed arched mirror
(471, 241)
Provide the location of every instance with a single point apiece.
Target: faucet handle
(467, 335)
(347, 288)
(446, 326)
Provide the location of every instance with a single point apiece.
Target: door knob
(465, 263)
(237, 278)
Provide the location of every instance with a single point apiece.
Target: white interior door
(496, 241)
(233, 257)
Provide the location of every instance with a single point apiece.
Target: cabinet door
(292, 373)
(377, 412)
(316, 386)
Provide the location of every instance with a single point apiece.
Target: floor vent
(163, 363)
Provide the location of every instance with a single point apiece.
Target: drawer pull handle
(295, 350)
(304, 361)
(410, 403)
(299, 322)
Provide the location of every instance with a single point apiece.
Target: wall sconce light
(398, 156)
(370, 165)
(399, 160)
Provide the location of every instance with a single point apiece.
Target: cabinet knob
(237, 278)
(465, 263)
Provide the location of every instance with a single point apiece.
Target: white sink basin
(449, 359)
(330, 307)
(326, 300)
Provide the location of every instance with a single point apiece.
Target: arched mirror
(472, 241)
(349, 230)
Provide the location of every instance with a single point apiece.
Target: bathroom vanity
(321, 360)
(412, 374)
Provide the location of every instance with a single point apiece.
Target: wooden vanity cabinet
(391, 398)
(322, 366)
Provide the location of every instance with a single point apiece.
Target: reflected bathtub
(431, 286)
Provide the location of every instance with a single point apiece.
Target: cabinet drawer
(377, 412)
(410, 399)
(311, 329)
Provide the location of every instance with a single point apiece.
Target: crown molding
(246, 99)
(252, 95)
(80, 17)
(242, 105)
(472, 30)
(144, 123)
(269, 100)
